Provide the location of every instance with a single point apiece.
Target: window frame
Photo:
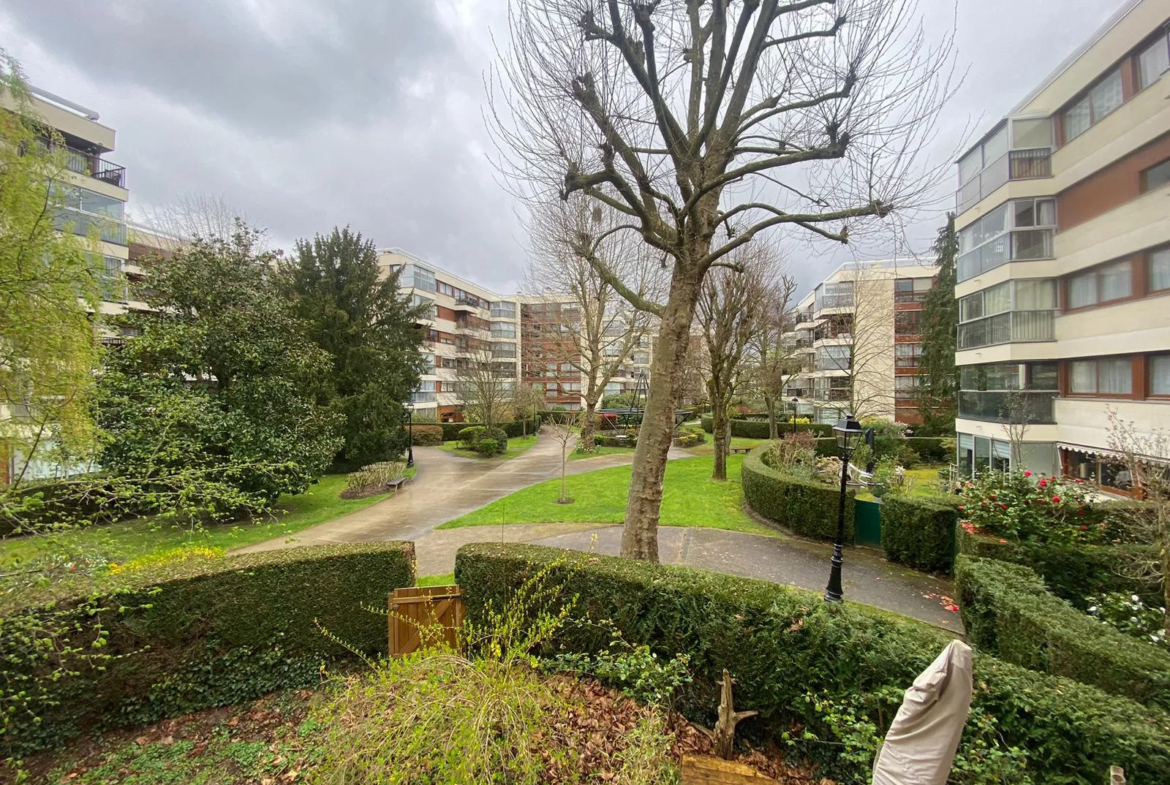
(1145, 177)
(1133, 393)
(1095, 271)
(1149, 380)
(1162, 37)
(1087, 95)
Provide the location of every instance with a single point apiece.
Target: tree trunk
(770, 405)
(587, 426)
(640, 536)
(724, 735)
(564, 460)
(721, 432)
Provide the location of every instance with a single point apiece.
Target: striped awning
(1101, 452)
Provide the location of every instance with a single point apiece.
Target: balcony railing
(1024, 407)
(1014, 246)
(95, 167)
(1011, 327)
(834, 301)
(423, 397)
(108, 229)
(1015, 165)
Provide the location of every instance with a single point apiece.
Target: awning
(1101, 452)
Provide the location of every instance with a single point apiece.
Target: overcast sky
(305, 114)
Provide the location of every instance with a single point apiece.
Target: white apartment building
(467, 323)
(1064, 266)
(856, 337)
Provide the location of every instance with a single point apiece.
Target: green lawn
(581, 456)
(516, 446)
(123, 541)
(690, 498)
(708, 447)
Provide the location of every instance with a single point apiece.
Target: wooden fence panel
(416, 614)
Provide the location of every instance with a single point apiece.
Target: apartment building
(1064, 266)
(549, 357)
(466, 323)
(856, 337)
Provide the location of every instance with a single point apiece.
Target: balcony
(109, 230)
(1008, 406)
(91, 165)
(465, 303)
(1013, 246)
(1030, 164)
(1027, 164)
(1011, 327)
(423, 397)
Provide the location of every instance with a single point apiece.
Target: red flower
(1004, 541)
(1056, 500)
(1081, 511)
(962, 508)
(1043, 483)
(1084, 528)
(991, 496)
(1003, 506)
(1027, 474)
(1079, 481)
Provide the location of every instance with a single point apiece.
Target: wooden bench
(736, 450)
(396, 483)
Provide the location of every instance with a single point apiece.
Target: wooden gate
(867, 522)
(433, 615)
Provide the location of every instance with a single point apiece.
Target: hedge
(198, 634)
(919, 532)
(807, 507)
(603, 440)
(513, 429)
(1009, 612)
(782, 643)
(426, 435)
(1072, 572)
(758, 429)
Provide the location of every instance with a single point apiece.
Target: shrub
(469, 435)
(1009, 612)
(624, 440)
(426, 435)
(1016, 505)
(1128, 614)
(758, 429)
(906, 456)
(689, 439)
(486, 446)
(919, 532)
(187, 636)
(374, 476)
(807, 507)
(782, 644)
(500, 438)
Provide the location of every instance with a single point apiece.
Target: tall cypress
(939, 383)
(366, 324)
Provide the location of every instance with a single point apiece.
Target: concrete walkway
(868, 578)
(445, 487)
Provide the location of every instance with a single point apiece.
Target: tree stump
(724, 734)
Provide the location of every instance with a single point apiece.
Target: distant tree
(49, 287)
(223, 378)
(731, 307)
(485, 388)
(772, 355)
(367, 325)
(938, 390)
(525, 400)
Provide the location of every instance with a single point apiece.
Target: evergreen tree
(366, 324)
(939, 390)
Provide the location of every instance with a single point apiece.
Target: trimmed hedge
(1072, 572)
(1009, 612)
(919, 532)
(602, 440)
(782, 643)
(806, 507)
(201, 633)
(758, 429)
(426, 435)
(513, 429)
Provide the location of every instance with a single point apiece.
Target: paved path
(868, 578)
(446, 487)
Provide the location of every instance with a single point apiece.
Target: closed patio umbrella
(920, 746)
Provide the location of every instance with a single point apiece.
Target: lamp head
(848, 432)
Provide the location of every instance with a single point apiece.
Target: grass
(132, 539)
(921, 482)
(436, 580)
(690, 498)
(599, 451)
(516, 446)
(708, 447)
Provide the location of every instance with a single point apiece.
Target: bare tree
(193, 215)
(485, 389)
(603, 329)
(705, 124)
(524, 402)
(774, 357)
(563, 427)
(731, 308)
(1146, 456)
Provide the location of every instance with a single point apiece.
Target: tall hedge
(919, 532)
(1009, 612)
(197, 634)
(758, 429)
(1073, 572)
(782, 643)
(514, 429)
(807, 507)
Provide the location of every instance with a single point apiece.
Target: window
(1101, 100)
(1159, 272)
(503, 330)
(1102, 285)
(1160, 375)
(906, 322)
(1154, 61)
(1101, 377)
(1156, 176)
(421, 278)
(906, 355)
(984, 244)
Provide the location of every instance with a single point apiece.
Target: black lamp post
(795, 401)
(410, 432)
(848, 432)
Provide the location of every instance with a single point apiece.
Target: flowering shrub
(1127, 613)
(1024, 506)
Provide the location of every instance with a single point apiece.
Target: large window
(503, 329)
(1017, 230)
(1158, 275)
(418, 277)
(906, 355)
(833, 358)
(833, 295)
(1009, 392)
(1092, 107)
(1156, 176)
(1160, 375)
(1007, 312)
(1101, 285)
(503, 310)
(1154, 60)
(1113, 376)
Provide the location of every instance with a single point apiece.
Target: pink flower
(1079, 481)
(1043, 483)
(962, 508)
(1004, 541)
(1027, 474)
(1056, 500)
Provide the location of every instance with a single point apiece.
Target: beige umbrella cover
(921, 744)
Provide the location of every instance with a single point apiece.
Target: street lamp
(848, 432)
(410, 436)
(795, 401)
